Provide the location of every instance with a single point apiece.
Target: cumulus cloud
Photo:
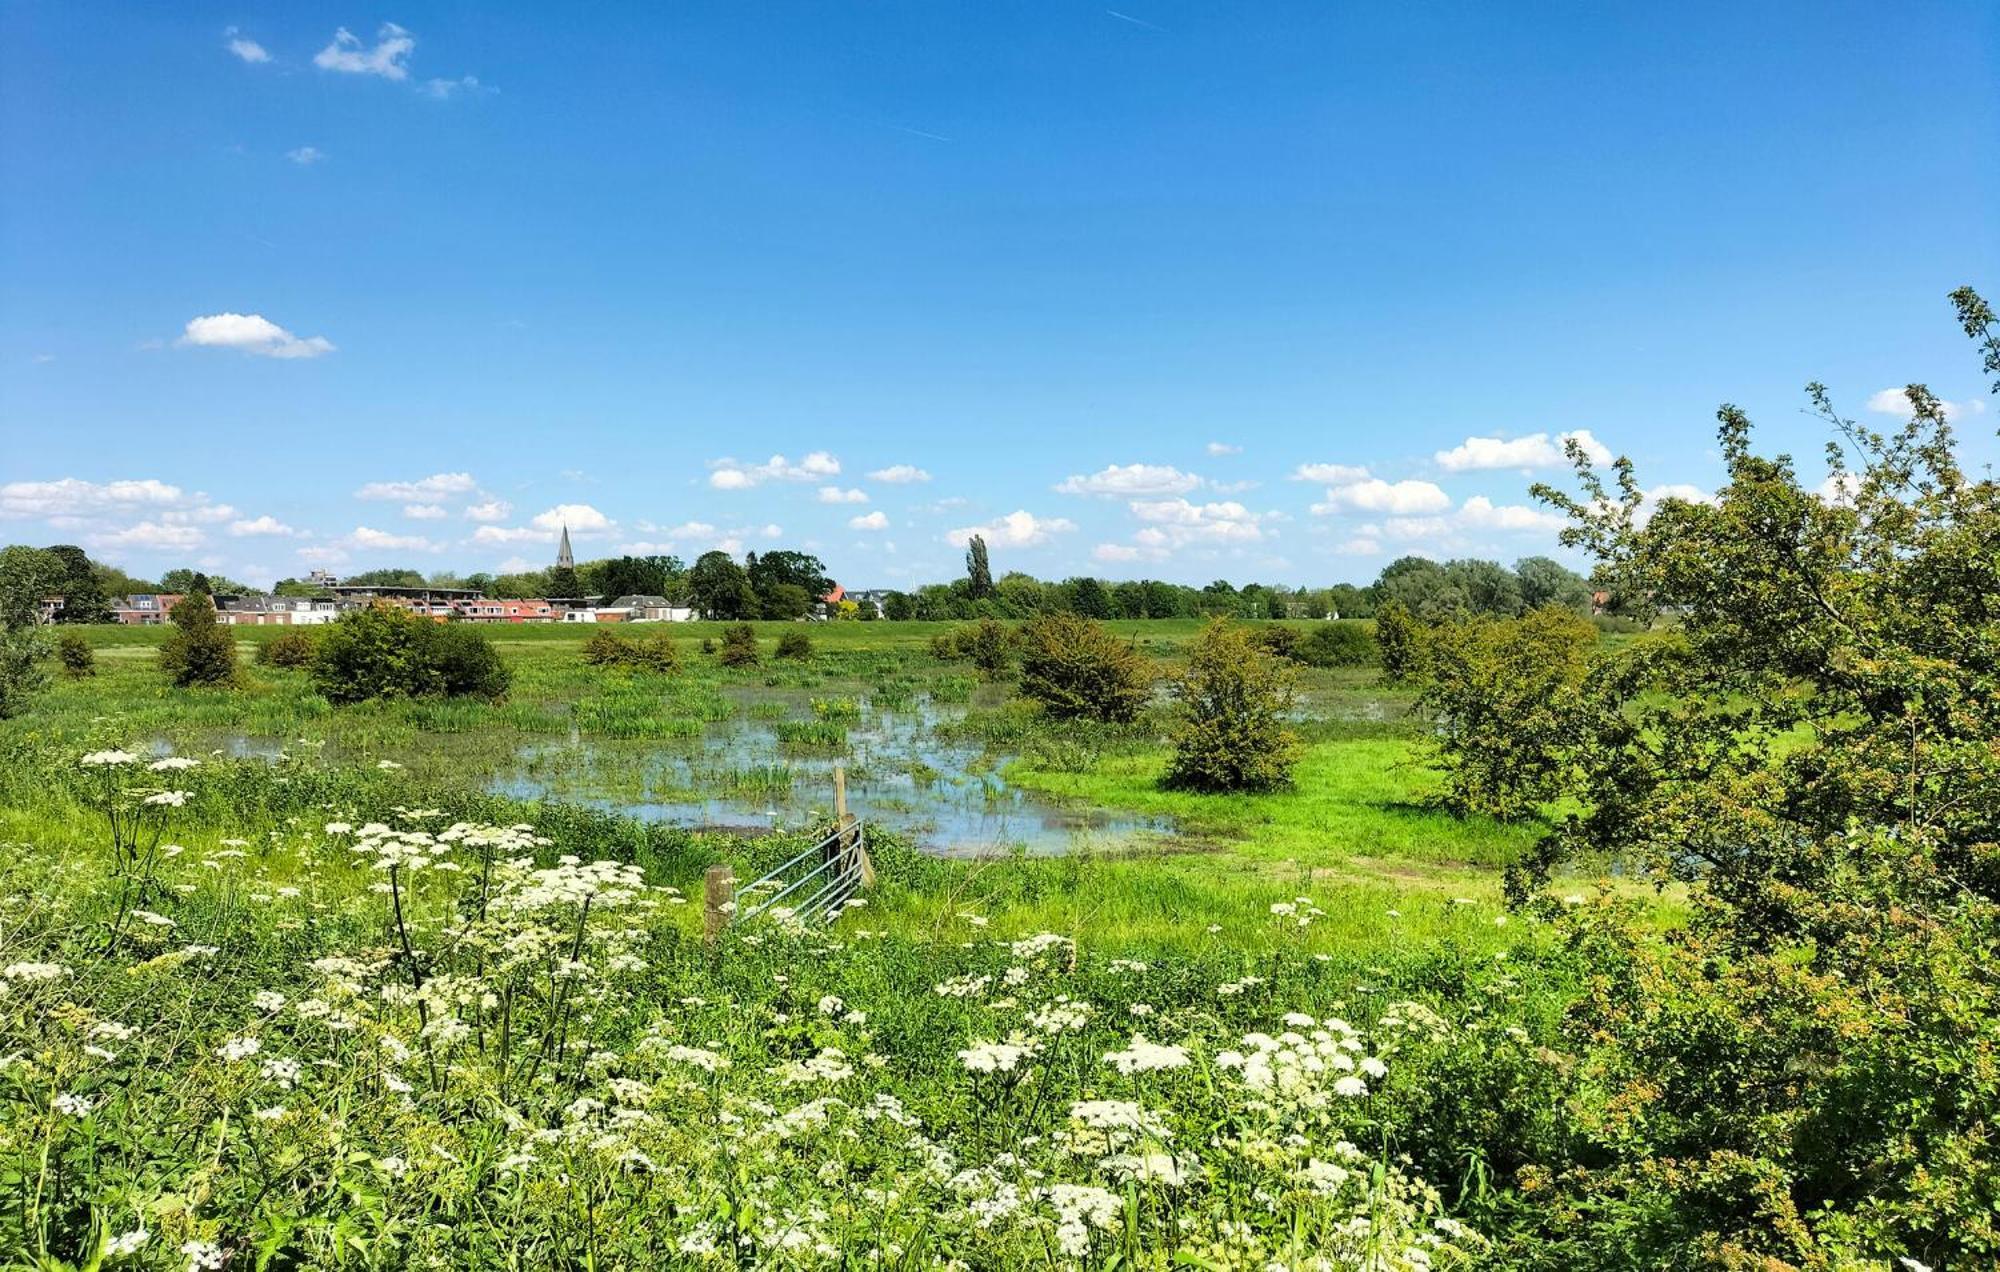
(1897, 402)
(899, 474)
(386, 57)
(250, 333)
(246, 49)
(489, 509)
(1358, 545)
(580, 518)
(1536, 450)
(366, 537)
(444, 88)
(1840, 489)
(1223, 448)
(728, 474)
(423, 490)
(305, 156)
(1482, 513)
(150, 536)
(1129, 480)
(264, 525)
(1115, 552)
(835, 495)
(1401, 498)
(73, 496)
(425, 512)
(1018, 529)
(876, 520)
(1330, 474)
(1176, 523)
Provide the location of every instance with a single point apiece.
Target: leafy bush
(989, 645)
(76, 656)
(200, 650)
(1504, 691)
(1338, 643)
(387, 652)
(739, 646)
(1399, 638)
(655, 653)
(22, 675)
(1275, 639)
(1229, 734)
(795, 645)
(293, 649)
(1076, 669)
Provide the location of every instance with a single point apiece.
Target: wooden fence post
(850, 835)
(719, 902)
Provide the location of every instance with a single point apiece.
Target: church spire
(564, 561)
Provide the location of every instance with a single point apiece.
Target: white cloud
(1840, 489)
(1676, 490)
(1115, 552)
(1223, 448)
(580, 518)
(492, 509)
(305, 156)
(1175, 523)
(150, 536)
(383, 540)
(835, 495)
(1537, 450)
(247, 49)
(899, 474)
(1129, 480)
(1897, 402)
(1359, 545)
(423, 490)
(1402, 498)
(1330, 474)
(72, 496)
(425, 512)
(349, 55)
(511, 534)
(1482, 513)
(876, 520)
(323, 555)
(250, 333)
(1019, 529)
(264, 525)
(728, 474)
(444, 88)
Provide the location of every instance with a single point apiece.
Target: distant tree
(867, 611)
(1089, 597)
(27, 577)
(785, 568)
(1128, 599)
(114, 583)
(1489, 587)
(1423, 588)
(1400, 639)
(1021, 595)
(739, 646)
(565, 582)
(1229, 732)
(296, 588)
(1076, 669)
(1545, 581)
(978, 571)
(634, 575)
(1164, 600)
(898, 607)
(384, 651)
(76, 656)
(1219, 597)
(1349, 601)
(785, 601)
(200, 650)
(514, 587)
(82, 593)
(720, 588)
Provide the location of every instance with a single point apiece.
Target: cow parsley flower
(1147, 1057)
(102, 759)
(173, 763)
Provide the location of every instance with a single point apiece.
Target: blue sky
(1259, 291)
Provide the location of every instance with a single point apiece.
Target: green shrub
(386, 652)
(655, 653)
(1230, 733)
(1340, 643)
(739, 646)
(989, 645)
(1399, 639)
(293, 649)
(22, 676)
(200, 650)
(795, 645)
(1076, 669)
(1275, 639)
(944, 647)
(77, 658)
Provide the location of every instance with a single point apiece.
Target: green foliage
(385, 651)
(989, 645)
(1503, 692)
(1275, 640)
(785, 602)
(23, 654)
(77, 658)
(295, 648)
(978, 570)
(1229, 732)
(1549, 582)
(1076, 669)
(27, 575)
(200, 651)
(795, 645)
(719, 588)
(655, 653)
(1399, 639)
(739, 646)
(1338, 643)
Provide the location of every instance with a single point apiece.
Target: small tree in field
(989, 644)
(796, 646)
(1504, 694)
(1231, 734)
(76, 656)
(386, 652)
(1076, 669)
(1400, 639)
(739, 646)
(22, 675)
(200, 651)
(1341, 643)
(293, 649)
